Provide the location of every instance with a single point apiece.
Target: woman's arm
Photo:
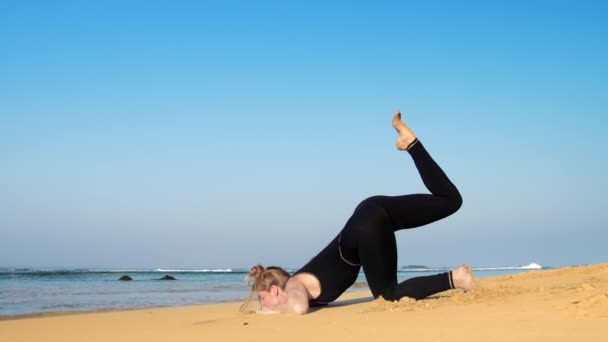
(297, 297)
(297, 300)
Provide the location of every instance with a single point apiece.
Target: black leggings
(368, 238)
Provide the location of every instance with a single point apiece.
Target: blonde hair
(263, 279)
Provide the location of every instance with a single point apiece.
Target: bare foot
(406, 136)
(462, 277)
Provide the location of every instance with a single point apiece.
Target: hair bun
(263, 280)
(255, 273)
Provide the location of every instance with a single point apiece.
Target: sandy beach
(556, 305)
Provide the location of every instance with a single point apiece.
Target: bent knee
(373, 200)
(448, 206)
(455, 202)
(388, 294)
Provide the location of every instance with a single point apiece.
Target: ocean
(25, 291)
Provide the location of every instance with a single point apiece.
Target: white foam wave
(532, 266)
(118, 270)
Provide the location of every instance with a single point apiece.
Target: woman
(368, 240)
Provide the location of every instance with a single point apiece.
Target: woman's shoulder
(309, 281)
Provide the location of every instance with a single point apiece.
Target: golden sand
(551, 305)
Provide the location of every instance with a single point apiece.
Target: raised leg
(415, 210)
(371, 229)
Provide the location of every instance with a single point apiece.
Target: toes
(397, 115)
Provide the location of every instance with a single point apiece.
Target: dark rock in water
(167, 277)
(415, 267)
(125, 277)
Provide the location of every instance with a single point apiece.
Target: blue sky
(225, 133)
